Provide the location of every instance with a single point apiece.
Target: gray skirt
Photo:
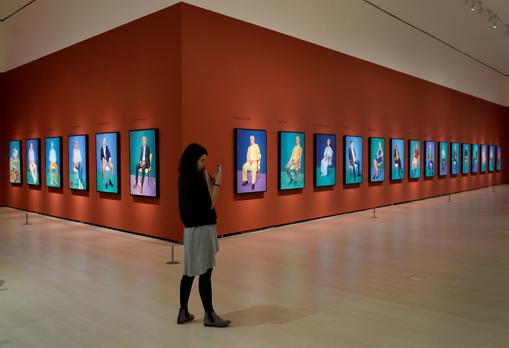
(200, 248)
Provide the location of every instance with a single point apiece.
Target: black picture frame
(393, 178)
(469, 161)
(236, 154)
(302, 137)
(411, 177)
(60, 168)
(27, 142)
(118, 164)
(346, 164)
(20, 159)
(157, 166)
(427, 144)
(87, 162)
(315, 159)
(370, 157)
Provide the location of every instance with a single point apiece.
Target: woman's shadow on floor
(268, 314)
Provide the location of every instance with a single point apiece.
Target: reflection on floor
(425, 274)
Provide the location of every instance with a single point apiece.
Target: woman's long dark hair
(190, 157)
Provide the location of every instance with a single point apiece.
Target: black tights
(205, 291)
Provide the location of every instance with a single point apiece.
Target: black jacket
(195, 201)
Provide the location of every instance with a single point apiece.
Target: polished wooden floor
(425, 274)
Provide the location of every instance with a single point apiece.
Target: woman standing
(198, 193)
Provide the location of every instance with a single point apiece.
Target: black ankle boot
(213, 320)
(184, 316)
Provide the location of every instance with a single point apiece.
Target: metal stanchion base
(172, 261)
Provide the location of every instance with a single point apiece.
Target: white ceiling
(7, 7)
(454, 23)
(365, 29)
(450, 21)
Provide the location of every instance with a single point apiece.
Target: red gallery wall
(3, 154)
(240, 75)
(196, 75)
(127, 78)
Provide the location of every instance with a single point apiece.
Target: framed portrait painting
(376, 160)
(465, 159)
(484, 158)
(107, 155)
(78, 162)
(33, 161)
(15, 164)
(325, 160)
(397, 159)
(430, 159)
(491, 158)
(143, 162)
(455, 158)
(353, 166)
(499, 158)
(292, 147)
(53, 167)
(443, 158)
(414, 159)
(250, 160)
(475, 158)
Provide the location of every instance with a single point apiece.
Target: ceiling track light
(493, 19)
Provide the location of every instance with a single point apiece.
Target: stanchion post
(449, 198)
(374, 214)
(172, 261)
(26, 220)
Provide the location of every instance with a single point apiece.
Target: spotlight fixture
(493, 19)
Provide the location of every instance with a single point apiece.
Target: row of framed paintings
(143, 162)
(446, 159)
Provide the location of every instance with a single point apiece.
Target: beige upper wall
(349, 26)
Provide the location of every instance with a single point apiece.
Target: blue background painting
(320, 144)
(150, 183)
(484, 158)
(475, 158)
(499, 158)
(373, 151)
(397, 173)
(430, 159)
(465, 158)
(491, 158)
(56, 179)
(354, 175)
(15, 164)
(243, 142)
(103, 184)
(75, 181)
(414, 164)
(31, 180)
(287, 142)
(443, 158)
(455, 158)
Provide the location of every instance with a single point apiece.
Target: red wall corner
(196, 75)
